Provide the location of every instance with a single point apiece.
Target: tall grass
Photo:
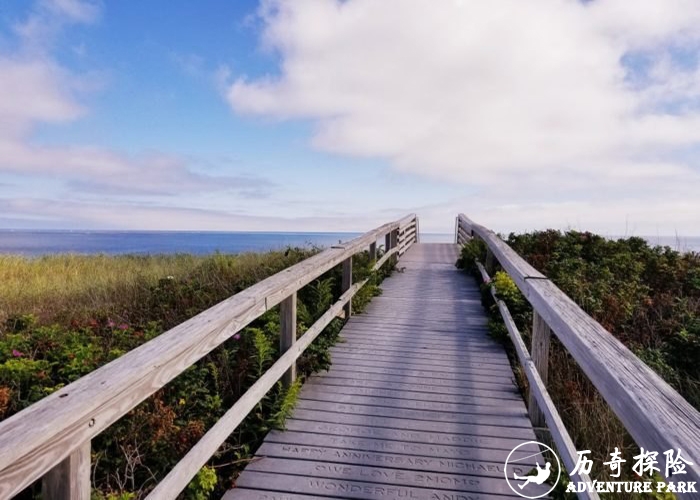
(64, 316)
(64, 287)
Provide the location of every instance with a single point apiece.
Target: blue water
(42, 242)
(35, 243)
(679, 243)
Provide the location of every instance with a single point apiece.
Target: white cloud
(158, 217)
(529, 101)
(626, 216)
(96, 170)
(35, 89)
(49, 17)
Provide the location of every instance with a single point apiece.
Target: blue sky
(329, 115)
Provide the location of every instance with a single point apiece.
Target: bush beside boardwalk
(64, 316)
(647, 297)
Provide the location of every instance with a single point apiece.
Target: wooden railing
(654, 414)
(407, 235)
(51, 439)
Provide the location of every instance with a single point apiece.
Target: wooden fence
(654, 414)
(51, 439)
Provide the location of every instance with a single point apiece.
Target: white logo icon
(531, 485)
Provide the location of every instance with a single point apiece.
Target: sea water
(44, 242)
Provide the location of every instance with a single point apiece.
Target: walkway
(419, 402)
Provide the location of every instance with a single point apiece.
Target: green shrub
(92, 319)
(202, 485)
(647, 297)
(472, 251)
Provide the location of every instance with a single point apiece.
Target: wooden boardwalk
(419, 402)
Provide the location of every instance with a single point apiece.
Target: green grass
(68, 287)
(63, 316)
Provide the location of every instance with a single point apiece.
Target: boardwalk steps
(419, 401)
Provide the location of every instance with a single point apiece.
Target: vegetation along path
(419, 402)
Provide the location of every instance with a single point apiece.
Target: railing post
(346, 284)
(395, 241)
(288, 336)
(373, 251)
(541, 335)
(417, 237)
(489, 261)
(70, 479)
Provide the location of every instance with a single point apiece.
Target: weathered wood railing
(407, 235)
(654, 414)
(51, 439)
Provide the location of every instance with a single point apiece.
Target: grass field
(63, 316)
(60, 287)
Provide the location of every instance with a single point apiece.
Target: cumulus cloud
(35, 89)
(549, 100)
(48, 17)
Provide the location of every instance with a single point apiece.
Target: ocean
(680, 243)
(35, 243)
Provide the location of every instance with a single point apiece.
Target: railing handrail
(41, 436)
(655, 415)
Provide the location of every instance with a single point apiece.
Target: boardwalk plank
(470, 372)
(410, 448)
(423, 347)
(470, 393)
(413, 462)
(386, 476)
(476, 381)
(485, 398)
(429, 415)
(498, 408)
(246, 494)
(417, 338)
(407, 435)
(436, 329)
(413, 355)
(473, 428)
(410, 321)
(375, 359)
(429, 333)
(340, 488)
